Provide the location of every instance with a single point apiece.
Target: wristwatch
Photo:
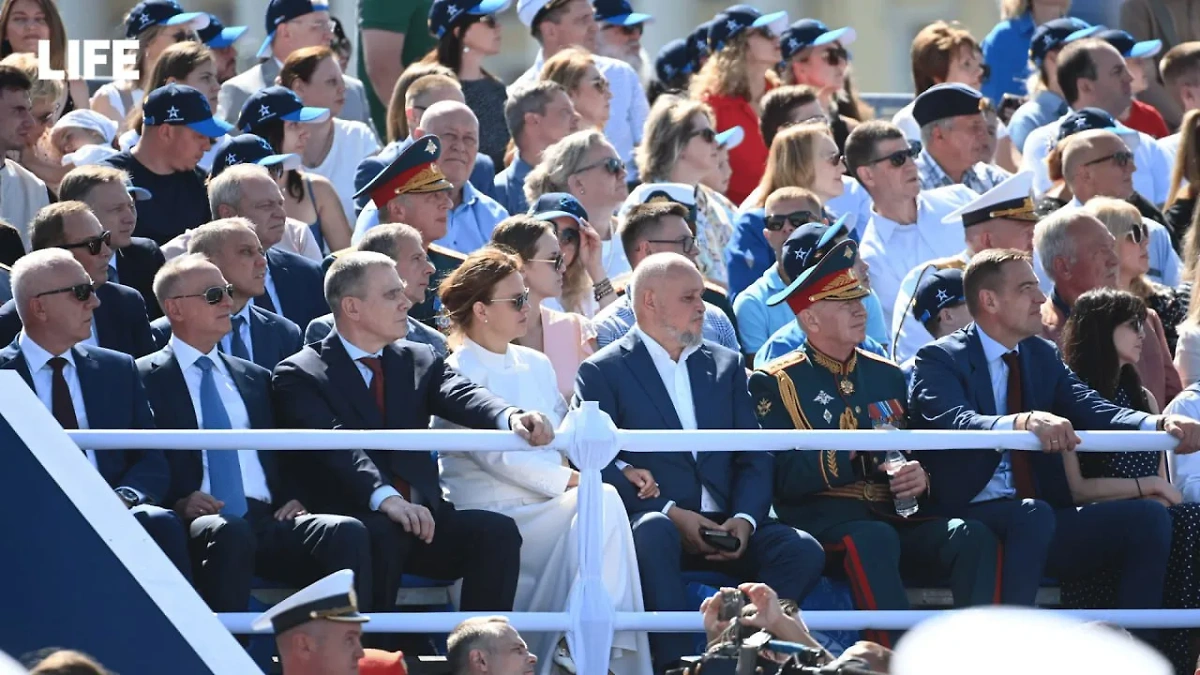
(128, 496)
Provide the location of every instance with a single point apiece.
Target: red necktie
(1021, 467)
(60, 396)
(375, 364)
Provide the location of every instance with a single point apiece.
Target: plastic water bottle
(905, 506)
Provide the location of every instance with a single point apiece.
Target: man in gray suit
(291, 25)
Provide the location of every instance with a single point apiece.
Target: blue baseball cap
(803, 248)
(807, 33)
(281, 11)
(1125, 43)
(443, 14)
(161, 13)
(731, 138)
(618, 13)
(558, 205)
(277, 103)
(1054, 34)
(938, 290)
(673, 60)
(217, 36)
(249, 149)
(697, 42)
(729, 23)
(1090, 119)
(181, 105)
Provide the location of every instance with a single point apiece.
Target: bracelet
(602, 289)
(1138, 483)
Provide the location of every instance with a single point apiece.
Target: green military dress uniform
(846, 502)
(429, 312)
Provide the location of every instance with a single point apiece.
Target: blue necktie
(112, 272)
(224, 469)
(236, 344)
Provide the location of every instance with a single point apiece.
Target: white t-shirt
(352, 143)
(114, 98)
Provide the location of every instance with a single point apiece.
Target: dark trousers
(482, 548)
(879, 554)
(1026, 530)
(784, 558)
(1132, 537)
(166, 529)
(228, 551)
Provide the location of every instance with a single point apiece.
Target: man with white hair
(87, 387)
(711, 513)
(620, 35)
(488, 645)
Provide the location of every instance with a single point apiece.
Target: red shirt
(748, 160)
(1145, 118)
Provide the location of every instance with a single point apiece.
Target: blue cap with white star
(276, 103)
(150, 13)
(250, 149)
(938, 290)
(181, 105)
(729, 23)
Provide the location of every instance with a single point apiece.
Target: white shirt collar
(36, 356)
(488, 358)
(993, 350)
(187, 355)
(885, 227)
(659, 353)
(354, 352)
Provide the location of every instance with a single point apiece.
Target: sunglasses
(518, 302)
(687, 244)
(630, 31)
(837, 55)
(776, 222)
(488, 20)
(1121, 159)
(898, 158)
(558, 261)
(1138, 233)
(707, 133)
(612, 165)
(212, 296)
(93, 244)
(81, 291)
(568, 237)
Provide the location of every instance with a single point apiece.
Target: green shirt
(409, 18)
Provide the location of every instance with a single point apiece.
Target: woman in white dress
(487, 302)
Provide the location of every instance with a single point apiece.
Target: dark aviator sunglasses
(213, 295)
(898, 158)
(797, 219)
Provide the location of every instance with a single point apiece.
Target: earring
(466, 50)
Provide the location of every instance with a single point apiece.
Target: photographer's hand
(714, 627)
(771, 618)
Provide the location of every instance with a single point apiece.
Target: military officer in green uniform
(414, 191)
(846, 499)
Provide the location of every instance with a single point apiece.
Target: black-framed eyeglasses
(82, 292)
(93, 244)
(612, 165)
(1121, 159)
(212, 296)
(776, 222)
(687, 244)
(707, 133)
(836, 55)
(558, 261)
(898, 158)
(1138, 233)
(518, 302)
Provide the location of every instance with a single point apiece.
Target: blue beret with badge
(949, 99)
(938, 290)
(414, 171)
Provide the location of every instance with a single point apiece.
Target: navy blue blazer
(482, 176)
(273, 338)
(952, 389)
(300, 285)
(172, 404)
(623, 380)
(137, 264)
(113, 398)
(321, 388)
(121, 322)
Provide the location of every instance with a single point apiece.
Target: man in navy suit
(293, 283)
(997, 374)
(361, 376)
(663, 375)
(258, 336)
(88, 387)
(113, 200)
(241, 507)
(119, 322)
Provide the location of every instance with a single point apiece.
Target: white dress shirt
(227, 341)
(678, 382)
(1001, 485)
(271, 292)
(38, 361)
(254, 479)
(1185, 469)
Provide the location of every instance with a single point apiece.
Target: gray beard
(637, 62)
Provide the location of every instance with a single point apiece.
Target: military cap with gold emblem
(1011, 199)
(415, 171)
(329, 599)
(831, 278)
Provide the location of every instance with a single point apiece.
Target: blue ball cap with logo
(697, 42)
(277, 103)
(558, 205)
(1090, 119)
(803, 248)
(673, 60)
(1055, 33)
(149, 13)
(618, 13)
(731, 22)
(219, 36)
(1125, 43)
(282, 11)
(444, 14)
(938, 290)
(181, 105)
(807, 33)
(249, 149)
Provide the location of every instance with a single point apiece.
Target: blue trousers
(167, 531)
(1025, 529)
(784, 558)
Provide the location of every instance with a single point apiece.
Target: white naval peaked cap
(1012, 198)
(1007, 640)
(331, 598)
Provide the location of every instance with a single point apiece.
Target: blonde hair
(725, 73)
(1187, 160)
(559, 162)
(792, 160)
(568, 68)
(43, 90)
(667, 132)
(1120, 217)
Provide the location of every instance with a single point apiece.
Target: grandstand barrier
(589, 438)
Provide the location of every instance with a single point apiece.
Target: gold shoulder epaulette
(785, 361)
(875, 357)
(448, 252)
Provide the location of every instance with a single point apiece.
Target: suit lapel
(646, 374)
(105, 318)
(399, 379)
(260, 339)
(279, 276)
(345, 380)
(91, 383)
(168, 377)
(12, 359)
(981, 378)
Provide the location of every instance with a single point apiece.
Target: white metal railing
(589, 438)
